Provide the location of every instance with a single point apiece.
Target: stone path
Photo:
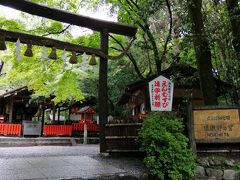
(57, 163)
(62, 167)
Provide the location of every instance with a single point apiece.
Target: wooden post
(54, 113)
(10, 110)
(42, 124)
(190, 128)
(102, 91)
(85, 133)
(58, 115)
(69, 113)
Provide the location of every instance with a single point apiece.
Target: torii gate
(104, 27)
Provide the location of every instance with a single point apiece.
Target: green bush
(167, 153)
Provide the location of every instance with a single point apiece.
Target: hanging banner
(161, 94)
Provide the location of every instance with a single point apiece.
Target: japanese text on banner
(161, 92)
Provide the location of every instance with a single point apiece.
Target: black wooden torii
(104, 27)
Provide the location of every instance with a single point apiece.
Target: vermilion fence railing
(10, 129)
(80, 127)
(57, 130)
(49, 130)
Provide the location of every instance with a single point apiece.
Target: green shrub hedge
(166, 147)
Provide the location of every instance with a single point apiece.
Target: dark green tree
(203, 53)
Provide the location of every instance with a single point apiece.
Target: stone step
(19, 142)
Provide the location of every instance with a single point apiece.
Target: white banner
(161, 94)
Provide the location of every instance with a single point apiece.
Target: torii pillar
(102, 90)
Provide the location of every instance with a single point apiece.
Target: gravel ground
(132, 165)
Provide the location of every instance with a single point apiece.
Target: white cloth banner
(161, 94)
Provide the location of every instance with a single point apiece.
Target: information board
(216, 124)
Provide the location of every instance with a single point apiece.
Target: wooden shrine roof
(87, 109)
(12, 92)
(184, 71)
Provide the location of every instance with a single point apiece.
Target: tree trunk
(155, 49)
(203, 53)
(234, 16)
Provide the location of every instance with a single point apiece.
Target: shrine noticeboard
(216, 124)
(161, 94)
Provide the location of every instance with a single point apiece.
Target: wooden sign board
(217, 124)
(161, 94)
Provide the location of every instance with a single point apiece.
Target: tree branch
(155, 49)
(117, 41)
(136, 21)
(135, 4)
(148, 57)
(146, 29)
(60, 32)
(130, 56)
(131, 3)
(169, 31)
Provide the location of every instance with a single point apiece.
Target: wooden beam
(48, 42)
(64, 16)
(190, 127)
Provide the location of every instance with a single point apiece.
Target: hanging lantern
(2, 43)
(73, 58)
(28, 51)
(93, 60)
(53, 54)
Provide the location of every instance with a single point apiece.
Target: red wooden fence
(10, 129)
(78, 126)
(57, 130)
(90, 127)
(49, 130)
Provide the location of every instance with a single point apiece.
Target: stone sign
(217, 124)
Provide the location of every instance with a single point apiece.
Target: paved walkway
(62, 167)
(45, 165)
